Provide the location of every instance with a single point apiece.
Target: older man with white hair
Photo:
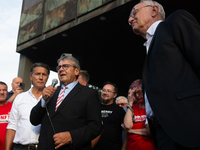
(121, 101)
(171, 74)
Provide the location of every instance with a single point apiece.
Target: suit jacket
(171, 77)
(79, 113)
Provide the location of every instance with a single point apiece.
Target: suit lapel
(68, 98)
(152, 41)
(150, 47)
(52, 105)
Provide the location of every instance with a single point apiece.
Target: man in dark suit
(171, 75)
(75, 115)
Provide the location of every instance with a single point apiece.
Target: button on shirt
(26, 133)
(149, 36)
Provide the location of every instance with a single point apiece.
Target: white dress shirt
(149, 36)
(19, 120)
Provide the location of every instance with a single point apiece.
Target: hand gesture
(62, 138)
(48, 92)
(131, 96)
(18, 91)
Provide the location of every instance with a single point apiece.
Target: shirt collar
(70, 85)
(11, 92)
(30, 92)
(150, 32)
(152, 29)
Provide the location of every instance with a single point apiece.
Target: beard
(105, 101)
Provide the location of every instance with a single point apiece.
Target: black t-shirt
(112, 117)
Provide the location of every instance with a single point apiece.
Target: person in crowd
(171, 74)
(5, 108)
(19, 130)
(112, 117)
(83, 77)
(135, 118)
(74, 116)
(122, 101)
(15, 89)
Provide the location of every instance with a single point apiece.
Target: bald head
(15, 83)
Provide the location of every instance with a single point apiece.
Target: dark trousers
(25, 147)
(166, 143)
(18, 148)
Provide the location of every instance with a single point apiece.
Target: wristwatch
(130, 107)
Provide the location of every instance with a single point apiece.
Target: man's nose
(41, 77)
(61, 69)
(130, 20)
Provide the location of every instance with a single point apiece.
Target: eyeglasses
(134, 11)
(64, 66)
(122, 104)
(107, 91)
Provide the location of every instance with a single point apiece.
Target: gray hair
(121, 97)
(39, 64)
(161, 10)
(74, 61)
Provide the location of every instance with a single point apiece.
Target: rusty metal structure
(96, 32)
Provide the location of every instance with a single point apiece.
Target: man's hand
(48, 92)
(18, 91)
(62, 138)
(15, 93)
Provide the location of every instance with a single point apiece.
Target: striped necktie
(60, 97)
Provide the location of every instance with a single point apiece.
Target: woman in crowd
(139, 136)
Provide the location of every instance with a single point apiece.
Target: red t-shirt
(4, 116)
(138, 142)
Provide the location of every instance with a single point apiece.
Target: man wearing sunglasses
(171, 76)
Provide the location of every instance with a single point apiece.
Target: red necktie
(60, 97)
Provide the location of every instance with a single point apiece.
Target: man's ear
(154, 11)
(76, 71)
(115, 95)
(84, 83)
(31, 78)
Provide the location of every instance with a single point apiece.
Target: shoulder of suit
(179, 15)
(87, 88)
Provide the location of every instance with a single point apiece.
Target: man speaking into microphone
(74, 111)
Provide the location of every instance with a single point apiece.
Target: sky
(10, 11)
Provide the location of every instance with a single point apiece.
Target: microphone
(54, 82)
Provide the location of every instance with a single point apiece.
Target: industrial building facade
(96, 32)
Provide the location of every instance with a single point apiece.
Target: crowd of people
(21, 132)
(160, 110)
